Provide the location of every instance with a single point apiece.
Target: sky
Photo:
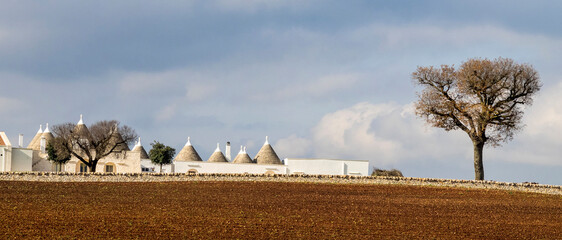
(322, 79)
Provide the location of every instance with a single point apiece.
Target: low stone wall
(337, 179)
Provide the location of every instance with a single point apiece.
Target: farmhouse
(266, 161)
(188, 160)
(121, 160)
(14, 159)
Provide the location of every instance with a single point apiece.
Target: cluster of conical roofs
(266, 155)
(42, 135)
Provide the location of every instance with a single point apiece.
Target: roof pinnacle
(47, 129)
(40, 129)
(218, 148)
(241, 150)
(81, 121)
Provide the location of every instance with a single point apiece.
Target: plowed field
(264, 210)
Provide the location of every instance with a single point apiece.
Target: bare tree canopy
(89, 145)
(484, 98)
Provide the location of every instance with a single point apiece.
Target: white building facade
(124, 160)
(14, 159)
(327, 166)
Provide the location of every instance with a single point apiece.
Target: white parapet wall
(21, 159)
(148, 166)
(216, 167)
(327, 166)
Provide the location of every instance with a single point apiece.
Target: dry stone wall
(334, 179)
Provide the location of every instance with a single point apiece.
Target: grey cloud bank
(321, 78)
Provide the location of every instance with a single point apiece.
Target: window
(83, 167)
(109, 168)
(57, 167)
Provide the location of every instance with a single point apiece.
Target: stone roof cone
(82, 130)
(243, 157)
(47, 134)
(267, 155)
(217, 156)
(115, 138)
(35, 141)
(188, 153)
(138, 148)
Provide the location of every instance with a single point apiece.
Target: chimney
(43, 144)
(228, 157)
(21, 141)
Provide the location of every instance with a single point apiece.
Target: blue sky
(321, 78)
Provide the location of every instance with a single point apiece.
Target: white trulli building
(266, 161)
(14, 159)
(188, 160)
(38, 145)
(121, 160)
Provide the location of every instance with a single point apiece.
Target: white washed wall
(15, 159)
(21, 159)
(211, 167)
(128, 162)
(5, 159)
(146, 163)
(327, 166)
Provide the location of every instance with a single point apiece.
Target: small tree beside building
(161, 154)
(57, 154)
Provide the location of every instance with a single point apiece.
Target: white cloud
(390, 133)
(540, 141)
(254, 5)
(392, 36)
(9, 104)
(197, 91)
(14, 39)
(349, 132)
(322, 86)
(144, 82)
(166, 113)
(385, 134)
(293, 145)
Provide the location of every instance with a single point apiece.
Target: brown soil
(265, 210)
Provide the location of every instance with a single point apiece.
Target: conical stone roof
(47, 134)
(217, 156)
(188, 153)
(35, 141)
(243, 157)
(138, 148)
(115, 139)
(48, 137)
(81, 129)
(267, 155)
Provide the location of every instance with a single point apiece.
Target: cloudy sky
(323, 79)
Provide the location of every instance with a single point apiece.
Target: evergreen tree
(161, 154)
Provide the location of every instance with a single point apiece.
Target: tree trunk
(93, 167)
(160, 168)
(478, 165)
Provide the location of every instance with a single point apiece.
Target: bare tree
(91, 145)
(484, 98)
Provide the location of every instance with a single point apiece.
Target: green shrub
(388, 173)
